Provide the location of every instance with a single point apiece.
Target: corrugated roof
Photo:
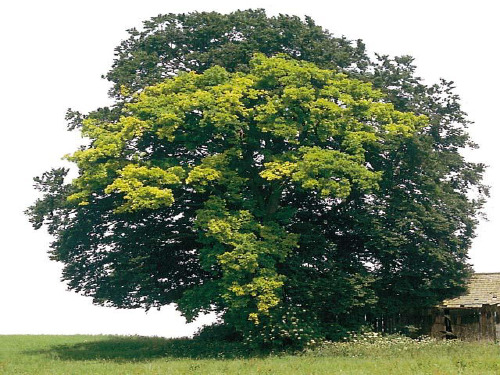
(482, 289)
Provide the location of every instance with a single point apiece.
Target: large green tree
(272, 191)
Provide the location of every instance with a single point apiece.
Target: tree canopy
(294, 194)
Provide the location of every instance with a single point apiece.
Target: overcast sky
(52, 54)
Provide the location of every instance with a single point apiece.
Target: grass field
(146, 355)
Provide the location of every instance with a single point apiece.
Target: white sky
(52, 54)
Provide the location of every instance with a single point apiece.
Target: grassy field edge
(104, 354)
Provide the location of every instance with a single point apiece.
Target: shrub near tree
(291, 199)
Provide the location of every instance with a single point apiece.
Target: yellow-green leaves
(302, 103)
(405, 124)
(330, 172)
(210, 169)
(190, 102)
(201, 175)
(238, 148)
(247, 258)
(278, 170)
(283, 71)
(145, 188)
(281, 101)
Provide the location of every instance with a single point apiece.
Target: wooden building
(473, 316)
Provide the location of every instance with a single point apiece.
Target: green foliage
(256, 187)
(195, 41)
(222, 122)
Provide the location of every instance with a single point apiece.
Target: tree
(297, 204)
(196, 41)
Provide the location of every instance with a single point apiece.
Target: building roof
(482, 289)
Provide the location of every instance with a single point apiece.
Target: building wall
(469, 324)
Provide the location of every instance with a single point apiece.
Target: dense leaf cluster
(294, 199)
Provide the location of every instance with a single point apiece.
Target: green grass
(146, 355)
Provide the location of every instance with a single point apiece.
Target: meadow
(367, 354)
